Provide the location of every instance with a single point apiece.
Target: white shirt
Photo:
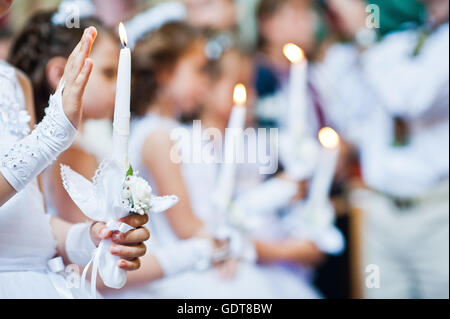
(363, 94)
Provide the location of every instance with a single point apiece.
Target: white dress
(26, 240)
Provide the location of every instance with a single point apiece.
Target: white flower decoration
(137, 195)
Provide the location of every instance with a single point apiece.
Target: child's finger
(129, 265)
(135, 220)
(82, 79)
(129, 252)
(79, 54)
(99, 232)
(132, 237)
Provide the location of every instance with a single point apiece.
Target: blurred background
(340, 276)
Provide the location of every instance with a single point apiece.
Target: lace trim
(13, 116)
(104, 165)
(65, 172)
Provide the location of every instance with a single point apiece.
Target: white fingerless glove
(29, 157)
(79, 245)
(190, 254)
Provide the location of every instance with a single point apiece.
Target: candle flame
(329, 138)
(123, 34)
(240, 94)
(293, 53)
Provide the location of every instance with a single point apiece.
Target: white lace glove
(240, 247)
(29, 157)
(190, 254)
(79, 245)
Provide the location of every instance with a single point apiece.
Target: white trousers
(405, 250)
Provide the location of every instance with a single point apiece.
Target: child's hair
(158, 51)
(39, 42)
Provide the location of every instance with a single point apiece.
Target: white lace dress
(26, 240)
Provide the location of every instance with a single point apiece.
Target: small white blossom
(138, 194)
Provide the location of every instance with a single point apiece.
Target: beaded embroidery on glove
(23, 158)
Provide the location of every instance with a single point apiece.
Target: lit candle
(323, 178)
(233, 140)
(122, 112)
(298, 91)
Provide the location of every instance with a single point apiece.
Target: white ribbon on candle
(101, 201)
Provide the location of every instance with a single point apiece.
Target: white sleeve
(346, 96)
(427, 162)
(79, 246)
(406, 85)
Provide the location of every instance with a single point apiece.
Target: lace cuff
(79, 245)
(190, 254)
(29, 157)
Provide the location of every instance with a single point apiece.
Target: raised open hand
(76, 76)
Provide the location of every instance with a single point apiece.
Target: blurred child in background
(279, 22)
(361, 90)
(314, 34)
(168, 82)
(276, 253)
(392, 100)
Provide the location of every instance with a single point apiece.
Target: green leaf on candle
(130, 171)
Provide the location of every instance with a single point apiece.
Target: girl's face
(4, 6)
(186, 83)
(99, 97)
(294, 22)
(235, 69)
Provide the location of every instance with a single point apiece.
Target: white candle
(233, 140)
(298, 91)
(122, 112)
(324, 176)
